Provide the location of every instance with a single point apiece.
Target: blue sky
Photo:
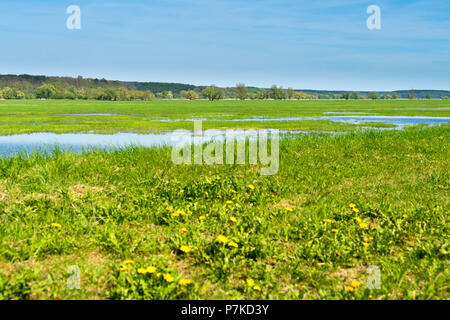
(294, 43)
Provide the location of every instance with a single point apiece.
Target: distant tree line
(42, 87)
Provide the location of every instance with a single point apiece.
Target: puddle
(78, 142)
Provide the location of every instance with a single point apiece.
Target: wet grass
(135, 224)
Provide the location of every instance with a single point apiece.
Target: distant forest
(43, 87)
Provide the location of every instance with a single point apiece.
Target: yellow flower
(151, 269)
(185, 249)
(250, 282)
(369, 239)
(252, 249)
(328, 220)
(289, 209)
(364, 225)
(233, 191)
(208, 181)
(310, 242)
(355, 210)
(178, 213)
(125, 269)
(229, 202)
(233, 244)
(349, 289)
(56, 225)
(233, 219)
(365, 244)
(128, 262)
(202, 217)
(252, 187)
(355, 284)
(405, 216)
(168, 277)
(184, 282)
(273, 196)
(334, 230)
(142, 270)
(357, 219)
(222, 239)
(257, 288)
(183, 230)
(352, 205)
(218, 178)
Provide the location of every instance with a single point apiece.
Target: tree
(355, 95)
(373, 95)
(445, 98)
(346, 95)
(262, 95)
(213, 93)
(290, 93)
(46, 91)
(277, 93)
(241, 91)
(394, 96)
(20, 94)
(1, 94)
(8, 93)
(411, 94)
(428, 96)
(189, 94)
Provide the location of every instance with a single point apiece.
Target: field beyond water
(27, 116)
(137, 226)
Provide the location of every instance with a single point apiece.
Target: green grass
(297, 236)
(57, 116)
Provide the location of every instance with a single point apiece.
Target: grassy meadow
(137, 226)
(26, 116)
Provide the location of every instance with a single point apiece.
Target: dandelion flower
(168, 277)
(233, 219)
(183, 230)
(352, 205)
(355, 210)
(364, 225)
(405, 216)
(124, 269)
(310, 242)
(250, 282)
(229, 202)
(128, 262)
(365, 244)
(328, 220)
(252, 187)
(355, 284)
(334, 230)
(142, 271)
(218, 178)
(202, 218)
(357, 219)
(233, 191)
(184, 282)
(233, 244)
(151, 269)
(56, 225)
(257, 288)
(185, 249)
(289, 209)
(222, 239)
(349, 289)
